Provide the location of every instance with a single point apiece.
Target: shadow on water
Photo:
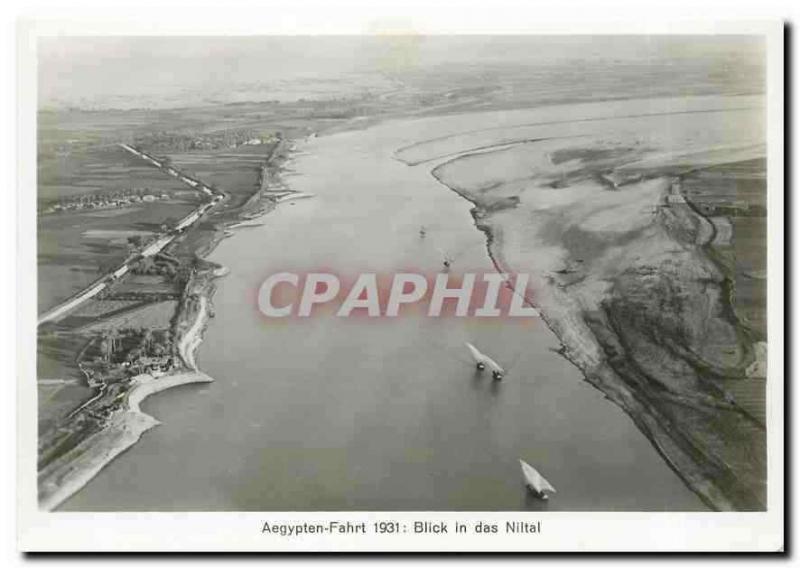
(477, 379)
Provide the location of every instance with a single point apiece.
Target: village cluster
(106, 200)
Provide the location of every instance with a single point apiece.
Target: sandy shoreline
(72, 471)
(192, 338)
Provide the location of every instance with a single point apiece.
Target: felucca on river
(482, 361)
(535, 481)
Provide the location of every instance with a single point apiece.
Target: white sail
(535, 479)
(485, 359)
(477, 355)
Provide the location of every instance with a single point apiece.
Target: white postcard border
(61, 531)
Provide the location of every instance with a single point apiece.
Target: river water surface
(330, 413)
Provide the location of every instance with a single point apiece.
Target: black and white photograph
(354, 276)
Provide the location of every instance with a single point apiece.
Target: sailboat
(535, 481)
(483, 361)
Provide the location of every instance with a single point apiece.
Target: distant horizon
(169, 72)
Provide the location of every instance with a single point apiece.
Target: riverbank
(623, 317)
(72, 471)
(125, 424)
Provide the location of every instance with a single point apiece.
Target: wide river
(328, 413)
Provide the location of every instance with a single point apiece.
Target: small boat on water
(535, 481)
(483, 361)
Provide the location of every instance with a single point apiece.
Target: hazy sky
(107, 71)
